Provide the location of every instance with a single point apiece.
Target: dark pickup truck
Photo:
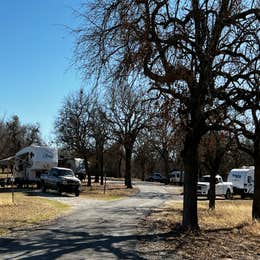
(62, 180)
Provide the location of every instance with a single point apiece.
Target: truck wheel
(77, 193)
(228, 194)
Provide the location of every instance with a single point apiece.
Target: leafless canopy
(170, 41)
(196, 51)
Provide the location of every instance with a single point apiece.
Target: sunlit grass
(110, 192)
(26, 210)
(228, 213)
(226, 232)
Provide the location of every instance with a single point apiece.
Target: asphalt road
(94, 230)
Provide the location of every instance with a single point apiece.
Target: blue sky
(35, 56)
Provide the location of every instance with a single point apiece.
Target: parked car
(222, 188)
(157, 177)
(62, 180)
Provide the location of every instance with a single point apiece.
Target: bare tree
(246, 127)
(72, 126)
(146, 158)
(213, 148)
(99, 130)
(190, 50)
(14, 136)
(3, 138)
(32, 134)
(162, 131)
(127, 113)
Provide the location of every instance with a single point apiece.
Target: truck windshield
(65, 173)
(205, 179)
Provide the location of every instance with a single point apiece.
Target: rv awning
(7, 161)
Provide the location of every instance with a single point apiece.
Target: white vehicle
(222, 188)
(75, 164)
(242, 181)
(176, 177)
(30, 162)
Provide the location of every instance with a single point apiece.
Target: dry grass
(112, 192)
(26, 211)
(227, 232)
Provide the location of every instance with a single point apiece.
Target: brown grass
(26, 211)
(112, 192)
(227, 232)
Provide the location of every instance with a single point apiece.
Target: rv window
(249, 179)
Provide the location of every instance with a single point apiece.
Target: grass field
(26, 211)
(227, 232)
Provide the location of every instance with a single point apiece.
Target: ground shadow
(53, 243)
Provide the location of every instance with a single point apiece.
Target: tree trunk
(190, 158)
(256, 200)
(212, 190)
(87, 171)
(142, 170)
(166, 165)
(214, 169)
(101, 167)
(128, 157)
(97, 170)
(119, 175)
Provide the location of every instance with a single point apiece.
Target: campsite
(130, 129)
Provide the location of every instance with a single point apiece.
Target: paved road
(94, 230)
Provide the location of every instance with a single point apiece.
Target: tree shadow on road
(79, 244)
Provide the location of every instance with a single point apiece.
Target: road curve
(94, 230)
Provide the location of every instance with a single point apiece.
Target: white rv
(75, 164)
(32, 161)
(242, 181)
(177, 177)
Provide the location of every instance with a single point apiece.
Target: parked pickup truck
(222, 188)
(62, 180)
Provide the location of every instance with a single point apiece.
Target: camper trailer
(177, 177)
(75, 164)
(242, 181)
(31, 162)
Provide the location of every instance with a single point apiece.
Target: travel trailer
(177, 177)
(30, 162)
(242, 181)
(75, 164)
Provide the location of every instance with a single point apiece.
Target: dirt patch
(26, 211)
(110, 192)
(226, 233)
